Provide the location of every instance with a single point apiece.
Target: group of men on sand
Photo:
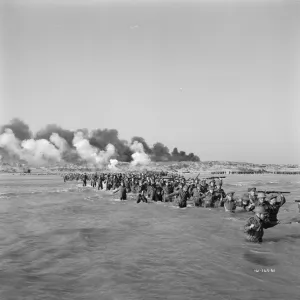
(161, 186)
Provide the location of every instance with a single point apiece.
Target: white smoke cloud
(40, 151)
(35, 152)
(91, 154)
(113, 164)
(139, 156)
(10, 143)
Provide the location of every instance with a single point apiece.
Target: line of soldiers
(161, 186)
(165, 187)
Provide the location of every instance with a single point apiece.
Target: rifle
(273, 192)
(214, 177)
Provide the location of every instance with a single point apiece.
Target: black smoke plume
(46, 132)
(160, 152)
(181, 156)
(20, 129)
(100, 138)
(141, 140)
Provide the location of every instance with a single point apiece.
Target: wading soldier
(254, 226)
(122, 191)
(196, 196)
(182, 197)
(209, 198)
(167, 190)
(273, 209)
(220, 192)
(141, 193)
(229, 202)
(249, 200)
(84, 179)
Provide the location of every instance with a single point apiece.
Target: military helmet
(245, 198)
(273, 197)
(261, 195)
(219, 182)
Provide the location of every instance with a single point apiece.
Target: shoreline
(186, 169)
(191, 174)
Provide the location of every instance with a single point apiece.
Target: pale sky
(217, 78)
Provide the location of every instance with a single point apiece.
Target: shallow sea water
(61, 241)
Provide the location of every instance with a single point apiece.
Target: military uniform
(221, 196)
(182, 197)
(203, 187)
(248, 201)
(191, 188)
(254, 234)
(209, 199)
(132, 186)
(229, 202)
(100, 183)
(94, 180)
(273, 210)
(267, 206)
(196, 196)
(84, 179)
(212, 183)
(122, 192)
(127, 185)
(158, 194)
(167, 190)
(151, 191)
(141, 194)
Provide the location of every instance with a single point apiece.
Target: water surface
(61, 241)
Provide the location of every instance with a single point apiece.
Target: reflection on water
(65, 242)
(263, 260)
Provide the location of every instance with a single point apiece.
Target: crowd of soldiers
(159, 186)
(207, 192)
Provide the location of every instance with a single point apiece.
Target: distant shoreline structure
(204, 174)
(189, 169)
(265, 173)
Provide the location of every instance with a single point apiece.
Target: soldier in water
(182, 196)
(167, 190)
(142, 193)
(219, 190)
(196, 195)
(210, 198)
(273, 209)
(249, 200)
(122, 191)
(203, 186)
(84, 179)
(254, 227)
(229, 202)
